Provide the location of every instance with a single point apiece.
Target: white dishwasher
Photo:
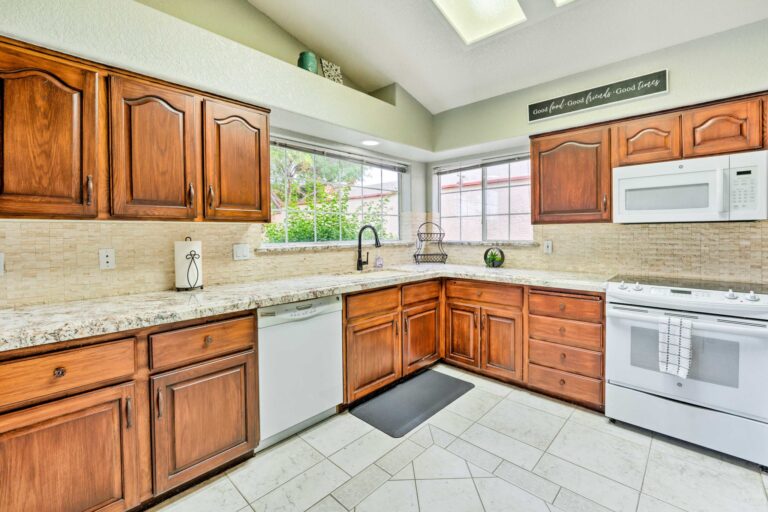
(300, 366)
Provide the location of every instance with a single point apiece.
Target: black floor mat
(398, 410)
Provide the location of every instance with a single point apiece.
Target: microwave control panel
(744, 184)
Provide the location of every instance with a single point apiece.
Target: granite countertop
(30, 326)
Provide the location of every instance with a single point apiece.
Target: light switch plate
(2, 263)
(241, 252)
(547, 246)
(107, 259)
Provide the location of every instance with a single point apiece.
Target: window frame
(363, 161)
(483, 166)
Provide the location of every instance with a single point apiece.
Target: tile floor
(497, 448)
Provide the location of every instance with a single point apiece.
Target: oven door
(682, 191)
(728, 366)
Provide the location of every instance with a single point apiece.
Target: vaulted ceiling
(410, 42)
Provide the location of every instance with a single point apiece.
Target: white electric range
(723, 403)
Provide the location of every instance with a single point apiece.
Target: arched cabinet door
(723, 128)
(646, 140)
(153, 130)
(236, 162)
(571, 177)
(48, 137)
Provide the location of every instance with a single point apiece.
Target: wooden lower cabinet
(421, 336)
(373, 354)
(203, 416)
(501, 349)
(72, 455)
(462, 331)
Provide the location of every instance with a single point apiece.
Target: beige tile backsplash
(51, 261)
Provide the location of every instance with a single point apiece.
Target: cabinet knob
(59, 372)
(211, 197)
(562, 356)
(191, 195)
(562, 307)
(89, 190)
(562, 331)
(208, 341)
(562, 382)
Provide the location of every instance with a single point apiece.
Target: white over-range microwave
(710, 189)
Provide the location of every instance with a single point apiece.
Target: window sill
(321, 246)
(516, 243)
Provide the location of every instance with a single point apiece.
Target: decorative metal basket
(432, 240)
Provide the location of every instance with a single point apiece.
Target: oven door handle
(726, 327)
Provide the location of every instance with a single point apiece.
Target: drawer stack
(565, 345)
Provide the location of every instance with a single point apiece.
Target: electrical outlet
(547, 246)
(241, 252)
(2, 263)
(107, 259)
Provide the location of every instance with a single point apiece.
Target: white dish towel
(675, 346)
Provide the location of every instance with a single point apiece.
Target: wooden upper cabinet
(203, 416)
(723, 128)
(571, 177)
(73, 455)
(373, 353)
(236, 162)
(154, 158)
(462, 332)
(421, 336)
(49, 142)
(501, 352)
(646, 140)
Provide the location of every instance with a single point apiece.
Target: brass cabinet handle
(128, 413)
(191, 195)
(89, 190)
(59, 372)
(208, 341)
(159, 403)
(605, 202)
(562, 382)
(211, 196)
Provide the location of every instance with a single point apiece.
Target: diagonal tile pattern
(497, 448)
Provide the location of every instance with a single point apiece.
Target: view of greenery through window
(487, 203)
(320, 198)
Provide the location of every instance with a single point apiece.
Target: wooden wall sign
(624, 90)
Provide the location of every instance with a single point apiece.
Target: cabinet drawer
(419, 292)
(569, 359)
(585, 308)
(568, 385)
(40, 376)
(567, 332)
(506, 295)
(379, 301)
(182, 346)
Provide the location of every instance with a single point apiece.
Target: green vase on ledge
(308, 61)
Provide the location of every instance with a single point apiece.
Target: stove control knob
(752, 297)
(637, 287)
(623, 286)
(730, 295)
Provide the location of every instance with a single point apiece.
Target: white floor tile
(500, 496)
(477, 472)
(531, 426)
(335, 433)
(218, 494)
(540, 402)
(436, 463)
(273, 467)
(474, 404)
(393, 496)
(399, 457)
(695, 482)
(477, 456)
(618, 429)
(361, 485)
(606, 492)
(568, 501)
(303, 491)
(448, 496)
(605, 454)
(504, 446)
(364, 451)
(651, 504)
(422, 436)
(327, 504)
(441, 437)
(528, 481)
(491, 386)
(405, 474)
(450, 422)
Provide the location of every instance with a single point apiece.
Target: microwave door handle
(722, 190)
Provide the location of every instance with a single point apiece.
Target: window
(487, 202)
(319, 196)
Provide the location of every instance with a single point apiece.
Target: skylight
(475, 20)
